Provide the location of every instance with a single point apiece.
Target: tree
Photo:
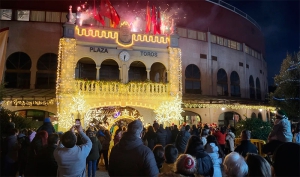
(259, 129)
(287, 93)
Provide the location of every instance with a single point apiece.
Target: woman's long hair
(43, 135)
(194, 144)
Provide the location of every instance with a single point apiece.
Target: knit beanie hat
(185, 165)
(135, 126)
(47, 119)
(281, 114)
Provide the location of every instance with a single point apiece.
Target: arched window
(192, 79)
(46, 71)
(190, 117)
(259, 115)
(253, 115)
(258, 93)
(157, 72)
(17, 74)
(109, 70)
(252, 87)
(86, 69)
(137, 71)
(235, 84)
(222, 85)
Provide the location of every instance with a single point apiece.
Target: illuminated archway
(229, 118)
(106, 117)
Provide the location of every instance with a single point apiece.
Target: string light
(29, 103)
(114, 35)
(228, 106)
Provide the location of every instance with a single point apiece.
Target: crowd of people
(155, 150)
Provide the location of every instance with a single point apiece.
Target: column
(148, 73)
(98, 73)
(33, 77)
(209, 64)
(120, 74)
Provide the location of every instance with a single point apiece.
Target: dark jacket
(46, 164)
(246, 147)
(161, 136)
(175, 132)
(105, 141)
(182, 140)
(130, 157)
(48, 127)
(204, 163)
(151, 138)
(169, 136)
(96, 148)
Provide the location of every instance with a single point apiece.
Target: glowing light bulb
(223, 108)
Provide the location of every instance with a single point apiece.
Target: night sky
(279, 20)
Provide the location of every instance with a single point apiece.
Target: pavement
(101, 172)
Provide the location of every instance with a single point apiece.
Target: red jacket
(220, 137)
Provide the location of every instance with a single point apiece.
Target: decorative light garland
(114, 35)
(228, 106)
(29, 103)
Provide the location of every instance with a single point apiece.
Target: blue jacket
(72, 161)
(182, 140)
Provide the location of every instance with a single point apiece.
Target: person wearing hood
(203, 160)
(47, 126)
(213, 150)
(130, 157)
(230, 137)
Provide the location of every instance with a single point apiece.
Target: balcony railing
(118, 89)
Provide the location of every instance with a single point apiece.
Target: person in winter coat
(297, 134)
(282, 128)
(93, 156)
(35, 148)
(182, 139)
(159, 155)
(204, 162)
(24, 142)
(213, 151)
(246, 146)
(195, 131)
(104, 139)
(118, 136)
(71, 158)
(175, 132)
(130, 157)
(151, 137)
(230, 137)
(10, 152)
(46, 164)
(161, 136)
(169, 136)
(47, 126)
(204, 133)
(220, 135)
(171, 154)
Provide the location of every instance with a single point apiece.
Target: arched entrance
(191, 118)
(228, 118)
(108, 117)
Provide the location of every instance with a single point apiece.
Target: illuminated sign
(148, 53)
(98, 49)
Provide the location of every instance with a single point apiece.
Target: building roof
(201, 15)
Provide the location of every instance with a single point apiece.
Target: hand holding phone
(77, 122)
